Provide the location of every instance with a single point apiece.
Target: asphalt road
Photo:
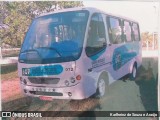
(123, 95)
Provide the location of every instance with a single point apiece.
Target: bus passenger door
(96, 43)
(95, 50)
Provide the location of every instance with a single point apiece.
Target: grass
(9, 71)
(9, 76)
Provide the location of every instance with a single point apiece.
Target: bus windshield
(55, 38)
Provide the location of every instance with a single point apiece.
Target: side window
(135, 33)
(96, 40)
(115, 31)
(127, 31)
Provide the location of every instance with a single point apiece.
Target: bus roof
(90, 9)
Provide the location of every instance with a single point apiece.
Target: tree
(148, 40)
(18, 16)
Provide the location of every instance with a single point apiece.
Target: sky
(146, 13)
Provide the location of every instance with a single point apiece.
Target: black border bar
(82, 113)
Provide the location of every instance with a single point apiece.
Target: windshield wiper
(51, 48)
(30, 50)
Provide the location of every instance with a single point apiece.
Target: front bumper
(73, 92)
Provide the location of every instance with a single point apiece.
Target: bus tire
(102, 87)
(133, 74)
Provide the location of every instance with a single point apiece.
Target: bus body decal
(122, 55)
(42, 70)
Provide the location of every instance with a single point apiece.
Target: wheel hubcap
(134, 72)
(101, 87)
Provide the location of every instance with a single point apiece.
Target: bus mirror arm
(104, 44)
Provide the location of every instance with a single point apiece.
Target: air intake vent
(46, 93)
(42, 80)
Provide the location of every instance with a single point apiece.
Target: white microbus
(76, 53)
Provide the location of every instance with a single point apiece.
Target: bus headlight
(67, 83)
(24, 81)
(72, 80)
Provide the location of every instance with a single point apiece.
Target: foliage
(18, 16)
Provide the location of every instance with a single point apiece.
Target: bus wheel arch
(102, 85)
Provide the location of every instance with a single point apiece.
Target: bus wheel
(134, 72)
(101, 88)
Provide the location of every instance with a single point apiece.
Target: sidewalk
(8, 60)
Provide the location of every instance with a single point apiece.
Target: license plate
(43, 89)
(45, 98)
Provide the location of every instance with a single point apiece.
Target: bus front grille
(42, 80)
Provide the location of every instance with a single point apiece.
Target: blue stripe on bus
(96, 56)
(46, 70)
